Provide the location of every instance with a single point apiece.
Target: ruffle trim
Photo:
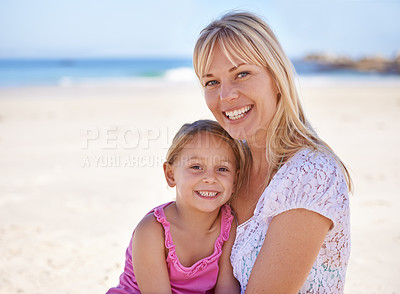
(226, 222)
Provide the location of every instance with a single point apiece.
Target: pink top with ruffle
(201, 277)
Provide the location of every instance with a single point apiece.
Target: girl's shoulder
(148, 223)
(151, 227)
(148, 234)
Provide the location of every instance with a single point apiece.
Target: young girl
(176, 248)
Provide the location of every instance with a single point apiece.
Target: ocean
(64, 72)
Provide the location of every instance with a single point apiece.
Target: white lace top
(310, 180)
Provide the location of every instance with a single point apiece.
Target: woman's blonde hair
(187, 133)
(246, 37)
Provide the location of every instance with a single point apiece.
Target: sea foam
(180, 74)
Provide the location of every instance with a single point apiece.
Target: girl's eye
(243, 74)
(211, 83)
(195, 167)
(223, 169)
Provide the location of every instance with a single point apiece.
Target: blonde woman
(292, 211)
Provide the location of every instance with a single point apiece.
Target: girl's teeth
(236, 114)
(207, 194)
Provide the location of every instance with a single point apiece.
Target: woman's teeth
(207, 194)
(236, 114)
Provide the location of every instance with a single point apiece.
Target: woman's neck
(259, 165)
(246, 200)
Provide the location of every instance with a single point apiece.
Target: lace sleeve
(314, 182)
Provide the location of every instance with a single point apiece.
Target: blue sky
(168, 28)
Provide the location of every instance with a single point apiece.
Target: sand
(81, 164)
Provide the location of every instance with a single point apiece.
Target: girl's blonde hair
(246, 37)
(188, 132)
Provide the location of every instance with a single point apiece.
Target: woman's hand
(291, 246)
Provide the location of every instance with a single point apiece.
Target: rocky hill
(377, 63)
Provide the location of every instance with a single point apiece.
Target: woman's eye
(243, 74)
(211, 83)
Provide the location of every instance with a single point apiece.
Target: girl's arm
(148, 257)
(291, 246)
(226, 282)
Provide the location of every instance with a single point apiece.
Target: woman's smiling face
(241, 96)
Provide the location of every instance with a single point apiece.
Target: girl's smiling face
(204, 173)
(241, 96)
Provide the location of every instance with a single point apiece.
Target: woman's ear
(169, 174)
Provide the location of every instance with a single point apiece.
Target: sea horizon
(23, 72)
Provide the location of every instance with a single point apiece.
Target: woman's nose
(228, 92)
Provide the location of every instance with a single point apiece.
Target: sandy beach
(81, 164)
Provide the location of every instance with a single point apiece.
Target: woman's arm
(291, 246)
(148, 257)
(226, 282)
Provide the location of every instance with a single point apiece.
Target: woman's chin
(254, 137)
(238, 133)
(243, 129)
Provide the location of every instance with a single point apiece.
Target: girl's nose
(209, 177)
(228, 92)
